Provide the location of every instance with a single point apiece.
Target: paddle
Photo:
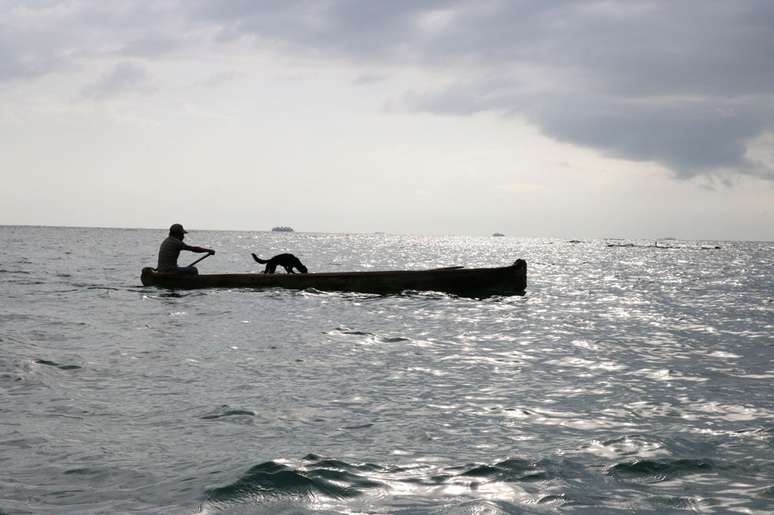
(203, 257)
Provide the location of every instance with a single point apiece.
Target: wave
(370, 337)
(56, 365)
(227, 412)
(660, 470)
(513, 469)
(515, 484)
(319, 481)
(275, 481)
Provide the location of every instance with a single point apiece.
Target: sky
(562, 119)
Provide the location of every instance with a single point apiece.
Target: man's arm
(198, 250)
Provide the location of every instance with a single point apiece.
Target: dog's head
(302, 268)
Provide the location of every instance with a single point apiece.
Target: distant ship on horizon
(282, 228)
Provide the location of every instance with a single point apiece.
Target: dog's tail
(261, 261)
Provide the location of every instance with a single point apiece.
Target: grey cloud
(11, 67)
(125, 77)
(150, 46)
(219, 79)
(686, 84)
(27, 53)
(369, 78)
(349, 28)
(39, 37)
(691, 137)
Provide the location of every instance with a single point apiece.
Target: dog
(286, 261)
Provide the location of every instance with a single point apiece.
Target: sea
(625, 380)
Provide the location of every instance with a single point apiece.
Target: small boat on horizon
(282, 228)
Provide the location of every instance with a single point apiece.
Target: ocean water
(626, 380)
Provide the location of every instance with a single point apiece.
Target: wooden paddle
(201, 258)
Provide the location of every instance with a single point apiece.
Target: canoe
(466, 282)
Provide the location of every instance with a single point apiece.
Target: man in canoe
(170, 251)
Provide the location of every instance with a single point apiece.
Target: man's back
(168, 254)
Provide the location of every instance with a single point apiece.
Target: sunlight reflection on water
(625, 379)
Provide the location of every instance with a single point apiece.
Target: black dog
(286, 261)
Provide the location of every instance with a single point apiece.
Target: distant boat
(282, 228)
(574, 241)
(457, 280)
(498, 235)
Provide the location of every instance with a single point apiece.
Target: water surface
(626, 380)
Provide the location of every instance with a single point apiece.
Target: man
(170, 250)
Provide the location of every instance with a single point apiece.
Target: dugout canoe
(466, 282)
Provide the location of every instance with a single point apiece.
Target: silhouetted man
(170, 251)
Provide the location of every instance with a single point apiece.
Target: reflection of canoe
(468, 282)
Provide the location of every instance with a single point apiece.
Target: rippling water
(625, 380)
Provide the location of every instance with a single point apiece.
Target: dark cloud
(687, 84)
(38, 37)
(690, 136)
(344, 28)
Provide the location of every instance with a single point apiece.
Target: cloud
(125, 77)
(685, 84)
(369, 78)
(29, 52)
(150, 46)
(39, 37)
(690, 136)
(219, 78)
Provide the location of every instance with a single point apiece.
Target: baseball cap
(177, 229)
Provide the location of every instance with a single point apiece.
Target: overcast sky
(635, 119)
